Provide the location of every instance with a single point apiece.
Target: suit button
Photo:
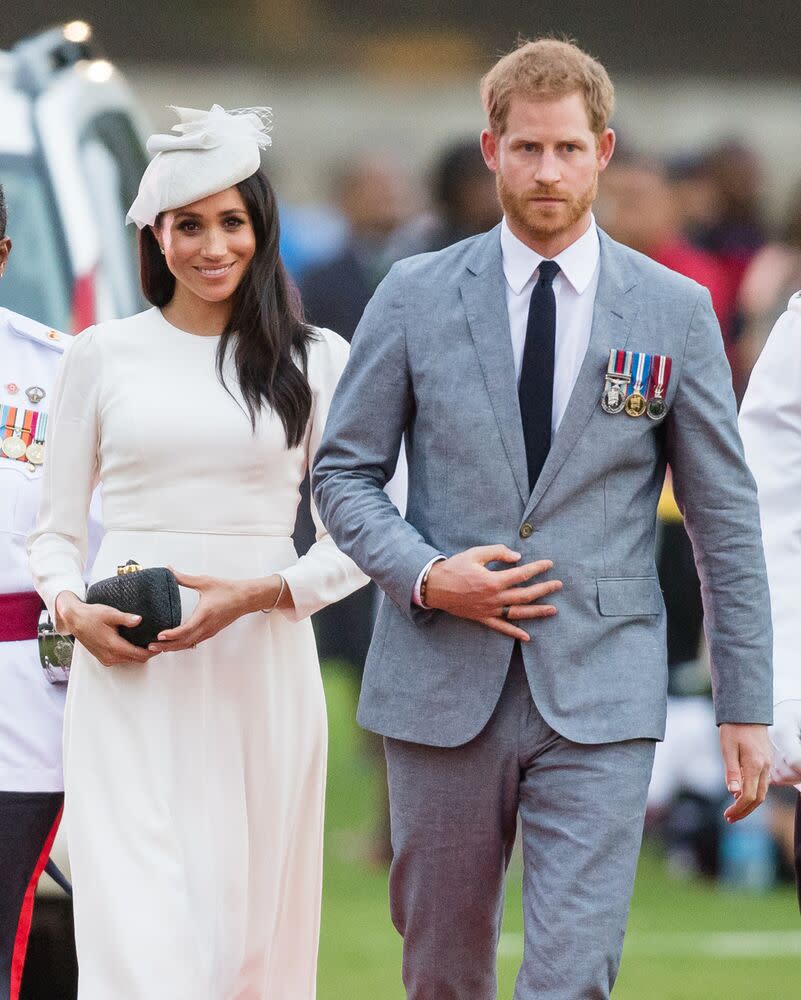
(526, 530)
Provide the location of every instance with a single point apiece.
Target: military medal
(13, 446)
(636, 404)
(618, 376)
(660, 377)
(35, 394)
(35, 451)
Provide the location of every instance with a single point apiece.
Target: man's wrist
(421, 585)
(424, 586)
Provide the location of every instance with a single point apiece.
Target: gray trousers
(454, 820)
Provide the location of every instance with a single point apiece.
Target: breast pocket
(20, 483)
(630, 595)
(10, 489)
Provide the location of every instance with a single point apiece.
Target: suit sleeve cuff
(416, 594)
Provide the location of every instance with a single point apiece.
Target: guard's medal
(618, 375)
(636, 403)
(14, 420)
(660, 377)
(35, 451)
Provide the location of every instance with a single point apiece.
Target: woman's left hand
(221, 602)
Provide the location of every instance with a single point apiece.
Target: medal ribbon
(642, 369)
(619, 366)
(660, 376)
(7, 418)
(27, 426)
(41, 428)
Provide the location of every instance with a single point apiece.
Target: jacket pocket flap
(631, 595)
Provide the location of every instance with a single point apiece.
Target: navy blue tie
(536, 377)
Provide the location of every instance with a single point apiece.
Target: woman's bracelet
(267, 611)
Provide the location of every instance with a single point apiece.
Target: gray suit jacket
(432, 359)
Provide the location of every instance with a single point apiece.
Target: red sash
(19, 616)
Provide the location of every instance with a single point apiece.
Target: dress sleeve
(770, 424)
(58, 545)
(323, 575)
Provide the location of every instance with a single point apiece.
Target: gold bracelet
(267, 611)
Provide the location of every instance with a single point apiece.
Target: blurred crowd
(703, 214)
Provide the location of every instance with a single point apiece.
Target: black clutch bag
(152, 593)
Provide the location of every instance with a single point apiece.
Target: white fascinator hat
(206, 152)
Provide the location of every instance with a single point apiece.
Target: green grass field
(685, 941)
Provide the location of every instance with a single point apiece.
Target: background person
(463, 199)
(487, 713)
(375, 197)
(197, 780)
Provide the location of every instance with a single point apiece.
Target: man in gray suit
(543, 377)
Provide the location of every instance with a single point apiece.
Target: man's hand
(785, 735)
(746, 756)
(463, 586)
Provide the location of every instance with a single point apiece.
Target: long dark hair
(271, 351)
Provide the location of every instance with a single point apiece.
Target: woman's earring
(162, 250)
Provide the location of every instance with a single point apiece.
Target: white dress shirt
(574, 289)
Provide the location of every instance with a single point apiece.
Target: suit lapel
(615, 308)
(484, 298)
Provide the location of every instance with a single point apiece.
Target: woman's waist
(237, 556)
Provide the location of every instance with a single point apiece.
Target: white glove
(785, 735)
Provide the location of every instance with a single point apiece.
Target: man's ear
(606, 146)
(489, 149)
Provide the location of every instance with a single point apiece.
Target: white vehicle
(71, 156)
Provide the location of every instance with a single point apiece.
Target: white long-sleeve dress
(195, 782)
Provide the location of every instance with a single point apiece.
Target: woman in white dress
(195, 769)
(770, 425)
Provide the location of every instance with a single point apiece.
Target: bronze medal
(636, 405)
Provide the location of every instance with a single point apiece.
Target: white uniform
(31, 708)
(770, 424)
(195, 782)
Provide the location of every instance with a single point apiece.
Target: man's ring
(505, 612)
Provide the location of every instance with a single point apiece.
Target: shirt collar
(577, 262)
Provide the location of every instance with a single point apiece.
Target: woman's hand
(221, 602)
(95, 627)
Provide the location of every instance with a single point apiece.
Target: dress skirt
(194, 796)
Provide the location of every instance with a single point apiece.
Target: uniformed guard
(31, 699)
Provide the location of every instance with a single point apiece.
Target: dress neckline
(215, 338)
